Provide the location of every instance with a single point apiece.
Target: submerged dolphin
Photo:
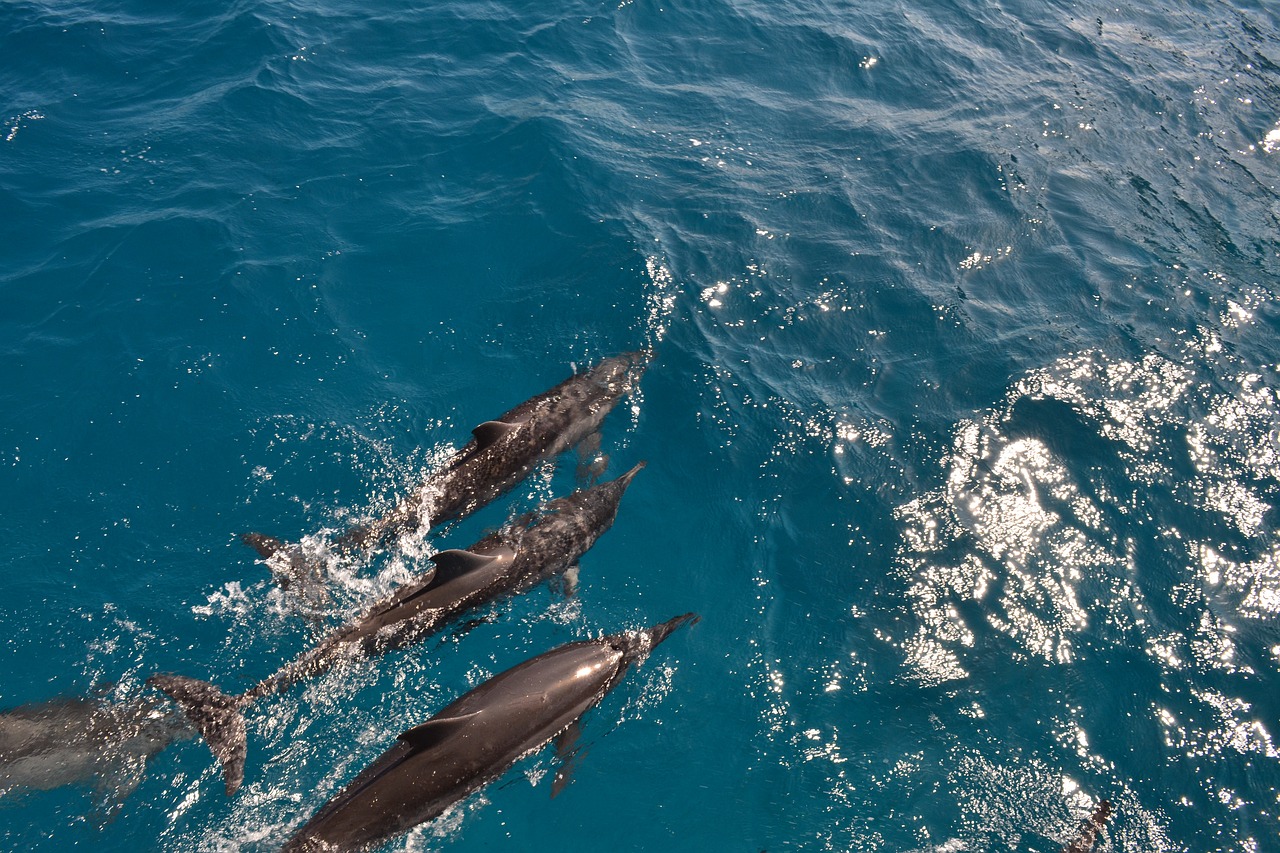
(500, 454)
(531, 549)
(78, 740)
(1089, 829)
(475, 739)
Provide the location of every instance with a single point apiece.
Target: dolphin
(500, 454)
(473, 740)
(531, 549)
(77, 740)
(1089, 829)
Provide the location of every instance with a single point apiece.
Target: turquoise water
(963, 428)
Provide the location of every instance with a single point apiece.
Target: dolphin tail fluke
(216, 715)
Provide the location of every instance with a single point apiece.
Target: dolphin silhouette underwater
(85, 739)
(531, 549)
(475, 739)
(500, 454)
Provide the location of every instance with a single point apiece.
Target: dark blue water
(963, 430)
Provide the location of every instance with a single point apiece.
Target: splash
(1025, 528)
(660, 301)
(1271, 142)
(1117, 505)
(1233, 730)
(16, 123)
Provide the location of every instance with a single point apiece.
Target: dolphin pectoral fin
(435, 731)
(568, 754)
(470, 625)
(115, 786)
(592, 462)
(266, 546)
(217, 716)
(490, 432)
(564, 776)
(568, 584)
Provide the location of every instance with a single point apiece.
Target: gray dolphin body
(1089, 829)
(500, 454)
(80, 740)
(475, 739)
(531, 549)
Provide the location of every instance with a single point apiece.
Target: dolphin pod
(531, 549)
(500, 454)
(470, 742)
(475, 739)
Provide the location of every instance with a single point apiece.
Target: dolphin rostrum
(500, 454)
(473, 740)
(1089, 829)
(531, 549)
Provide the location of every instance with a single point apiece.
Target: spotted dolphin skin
(500, 454)
(475, 740)
(529, 550)
(1089, 830)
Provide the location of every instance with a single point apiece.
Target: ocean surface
(962, 430)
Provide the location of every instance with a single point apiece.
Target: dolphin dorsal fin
(435, 731)
(490, 432)
(456, 561)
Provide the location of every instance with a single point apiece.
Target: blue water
(963, 429)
